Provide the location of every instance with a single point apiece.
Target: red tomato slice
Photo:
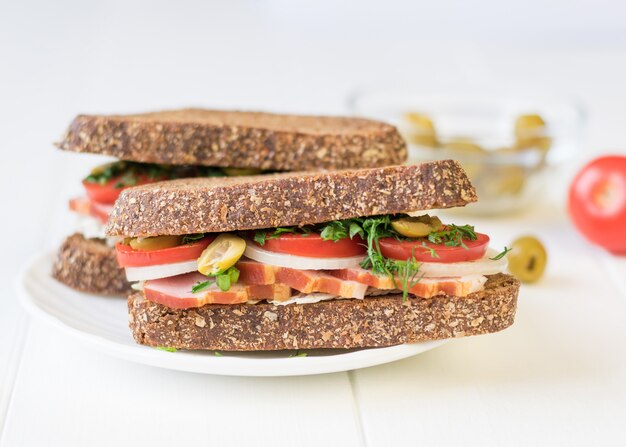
(108, 193)
(597, 202)
(402, 250)
(129, 257)
(313, 246)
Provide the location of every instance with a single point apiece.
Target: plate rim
(226, 365)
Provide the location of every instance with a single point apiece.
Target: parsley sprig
(191, 238)
(502, 254)
(405, 273)
(166, 348)
(453, 235)
(378, 227)
(262, 235)
(331, 231)
(224, 280)
(128, 173)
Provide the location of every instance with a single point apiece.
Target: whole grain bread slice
(89, 265)
(371, 322)
(205, 205)
(238, 139)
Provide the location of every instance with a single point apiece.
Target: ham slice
(175, 292)
(365, 277)
(87, 207)
(461, 286)
(304, 281)
(253, 272)
(425, 288)
(264, 282)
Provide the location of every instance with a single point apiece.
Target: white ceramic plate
(102, 322)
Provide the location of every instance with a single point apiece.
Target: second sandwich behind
(186, 143)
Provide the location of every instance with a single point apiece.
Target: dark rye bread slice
(241, 203)
(89, 265)
(238, 139)
(371, 322)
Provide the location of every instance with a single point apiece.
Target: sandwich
(344, 259)
(189, 143)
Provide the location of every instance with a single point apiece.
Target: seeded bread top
(238, 139)
(206, 205)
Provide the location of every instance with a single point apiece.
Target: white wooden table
(557, 377)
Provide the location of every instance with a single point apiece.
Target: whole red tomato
(597, 202)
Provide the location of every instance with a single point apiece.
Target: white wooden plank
(66, 394)
(555, 378)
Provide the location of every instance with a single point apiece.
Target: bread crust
(238, 139)
(241, 203)
(89, 265)
(372, 322)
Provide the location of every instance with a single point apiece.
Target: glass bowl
(509, 147)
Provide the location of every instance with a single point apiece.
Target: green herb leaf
(217, 354)
(223, 282)
(356, 230)
(502, 254)
(191, 238)
(298, 354)
(165, 348)
(282, 230)
(407, 272)
(453, 236)
(210, 171)
(200, 286)
(334, 231)
(432, 251)
(259, 237)
(128, 172)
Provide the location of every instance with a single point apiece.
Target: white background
(557, 377)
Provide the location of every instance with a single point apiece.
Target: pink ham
(305, 281)
(425, 288)
(253, 272)
(364, 276)
(175, 292)
(462, 286)
(87, 207)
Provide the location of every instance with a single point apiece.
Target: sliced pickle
(221, 254)
(155, 243)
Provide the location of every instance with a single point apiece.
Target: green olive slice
(411, 227)
(155, 243)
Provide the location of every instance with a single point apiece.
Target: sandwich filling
(348, 259)
(105, 183)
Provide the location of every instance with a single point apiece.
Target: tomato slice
(129, 257)
(313, 246)
(420, 248)
(109, 192)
